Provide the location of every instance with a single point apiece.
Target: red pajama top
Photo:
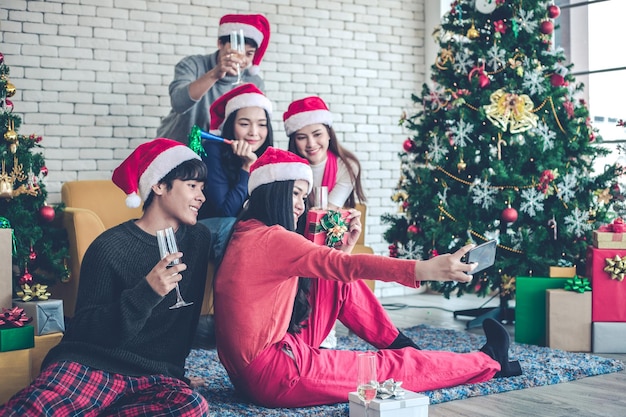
(256, 285)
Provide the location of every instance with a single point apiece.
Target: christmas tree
(501, 148)
(39, 245)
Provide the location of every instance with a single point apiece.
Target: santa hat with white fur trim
(245, 95)
(147, 165)
(278, 165)
(305, 112)
(255, 27)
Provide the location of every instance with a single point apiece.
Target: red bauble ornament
(44, 171)
(557, 80)
(546, 27)
(408, 145)
(509, 215)
(483, 80)
(27, 278)
(46, 213)
(32, 255)
(554, 11)
(413, 229)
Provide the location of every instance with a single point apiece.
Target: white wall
(92, 76)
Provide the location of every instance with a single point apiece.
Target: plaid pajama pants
(72, 389)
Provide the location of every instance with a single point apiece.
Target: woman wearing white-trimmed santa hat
(199, 80)
(309, 125)
(276, 364)
(242, 115)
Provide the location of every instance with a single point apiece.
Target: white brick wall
(92, 76)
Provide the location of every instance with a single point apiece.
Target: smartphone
(484, 255)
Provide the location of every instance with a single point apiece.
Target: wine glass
(167, 245)
(238, 43)
(367, 383)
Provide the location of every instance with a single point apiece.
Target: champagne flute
(238, 43)
(167, 244)
(367, 383)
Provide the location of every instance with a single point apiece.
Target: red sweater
(257, 281)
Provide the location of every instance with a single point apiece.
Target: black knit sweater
(121, 325)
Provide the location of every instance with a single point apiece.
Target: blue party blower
(196, 136)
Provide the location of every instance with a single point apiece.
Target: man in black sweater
(124, 351)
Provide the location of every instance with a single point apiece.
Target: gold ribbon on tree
(511, 110)
(616, 267)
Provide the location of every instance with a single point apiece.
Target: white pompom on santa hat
(245, 95)
(278, 165)
(304, 112)
(255, 27)
(147, 165)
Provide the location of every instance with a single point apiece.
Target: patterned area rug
(542, 366)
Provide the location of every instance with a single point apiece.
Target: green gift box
(15, 338)
(530, 308)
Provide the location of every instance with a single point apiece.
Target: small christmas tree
(501, 148)
(39, 246)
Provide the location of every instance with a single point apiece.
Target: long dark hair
(348, 158)
(192, 169)
(272, 204)
(231, 162)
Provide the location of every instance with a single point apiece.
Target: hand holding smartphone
(484, 255)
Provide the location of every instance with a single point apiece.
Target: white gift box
(412, 405)
(609, 337)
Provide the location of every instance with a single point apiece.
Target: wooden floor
(602, 395)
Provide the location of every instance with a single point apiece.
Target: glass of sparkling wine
(238, 43)
(367, 383)
(167, 244)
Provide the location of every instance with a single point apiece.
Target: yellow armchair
(360, 246)
(91, 207)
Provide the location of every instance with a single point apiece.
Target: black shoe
(497, 347)
(401, 342)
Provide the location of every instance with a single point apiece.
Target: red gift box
(327, 227)
(608, 298)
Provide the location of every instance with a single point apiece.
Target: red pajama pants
(72, 389)
(296, 373)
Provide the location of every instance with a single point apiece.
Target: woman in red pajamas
(277, 365)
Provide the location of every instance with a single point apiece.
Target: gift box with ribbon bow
(607, 270)
(611, 236)
(327, 227)
(47, 315)
(390, 401)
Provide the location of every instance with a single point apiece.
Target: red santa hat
(147, 165)
(245, 95)
(255, 27)
(278, 165)
(305, 112)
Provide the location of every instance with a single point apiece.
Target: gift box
(568, 320)
(43, 344)
(608, 298)
(411, 405)
(327, 227)
(15, 338)
(15, 373)
(609, 337)
(530, 308)
(6, 267)
(610, 236)
(47, 315)
(562, 272)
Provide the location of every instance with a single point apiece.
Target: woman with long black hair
(279, 365)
